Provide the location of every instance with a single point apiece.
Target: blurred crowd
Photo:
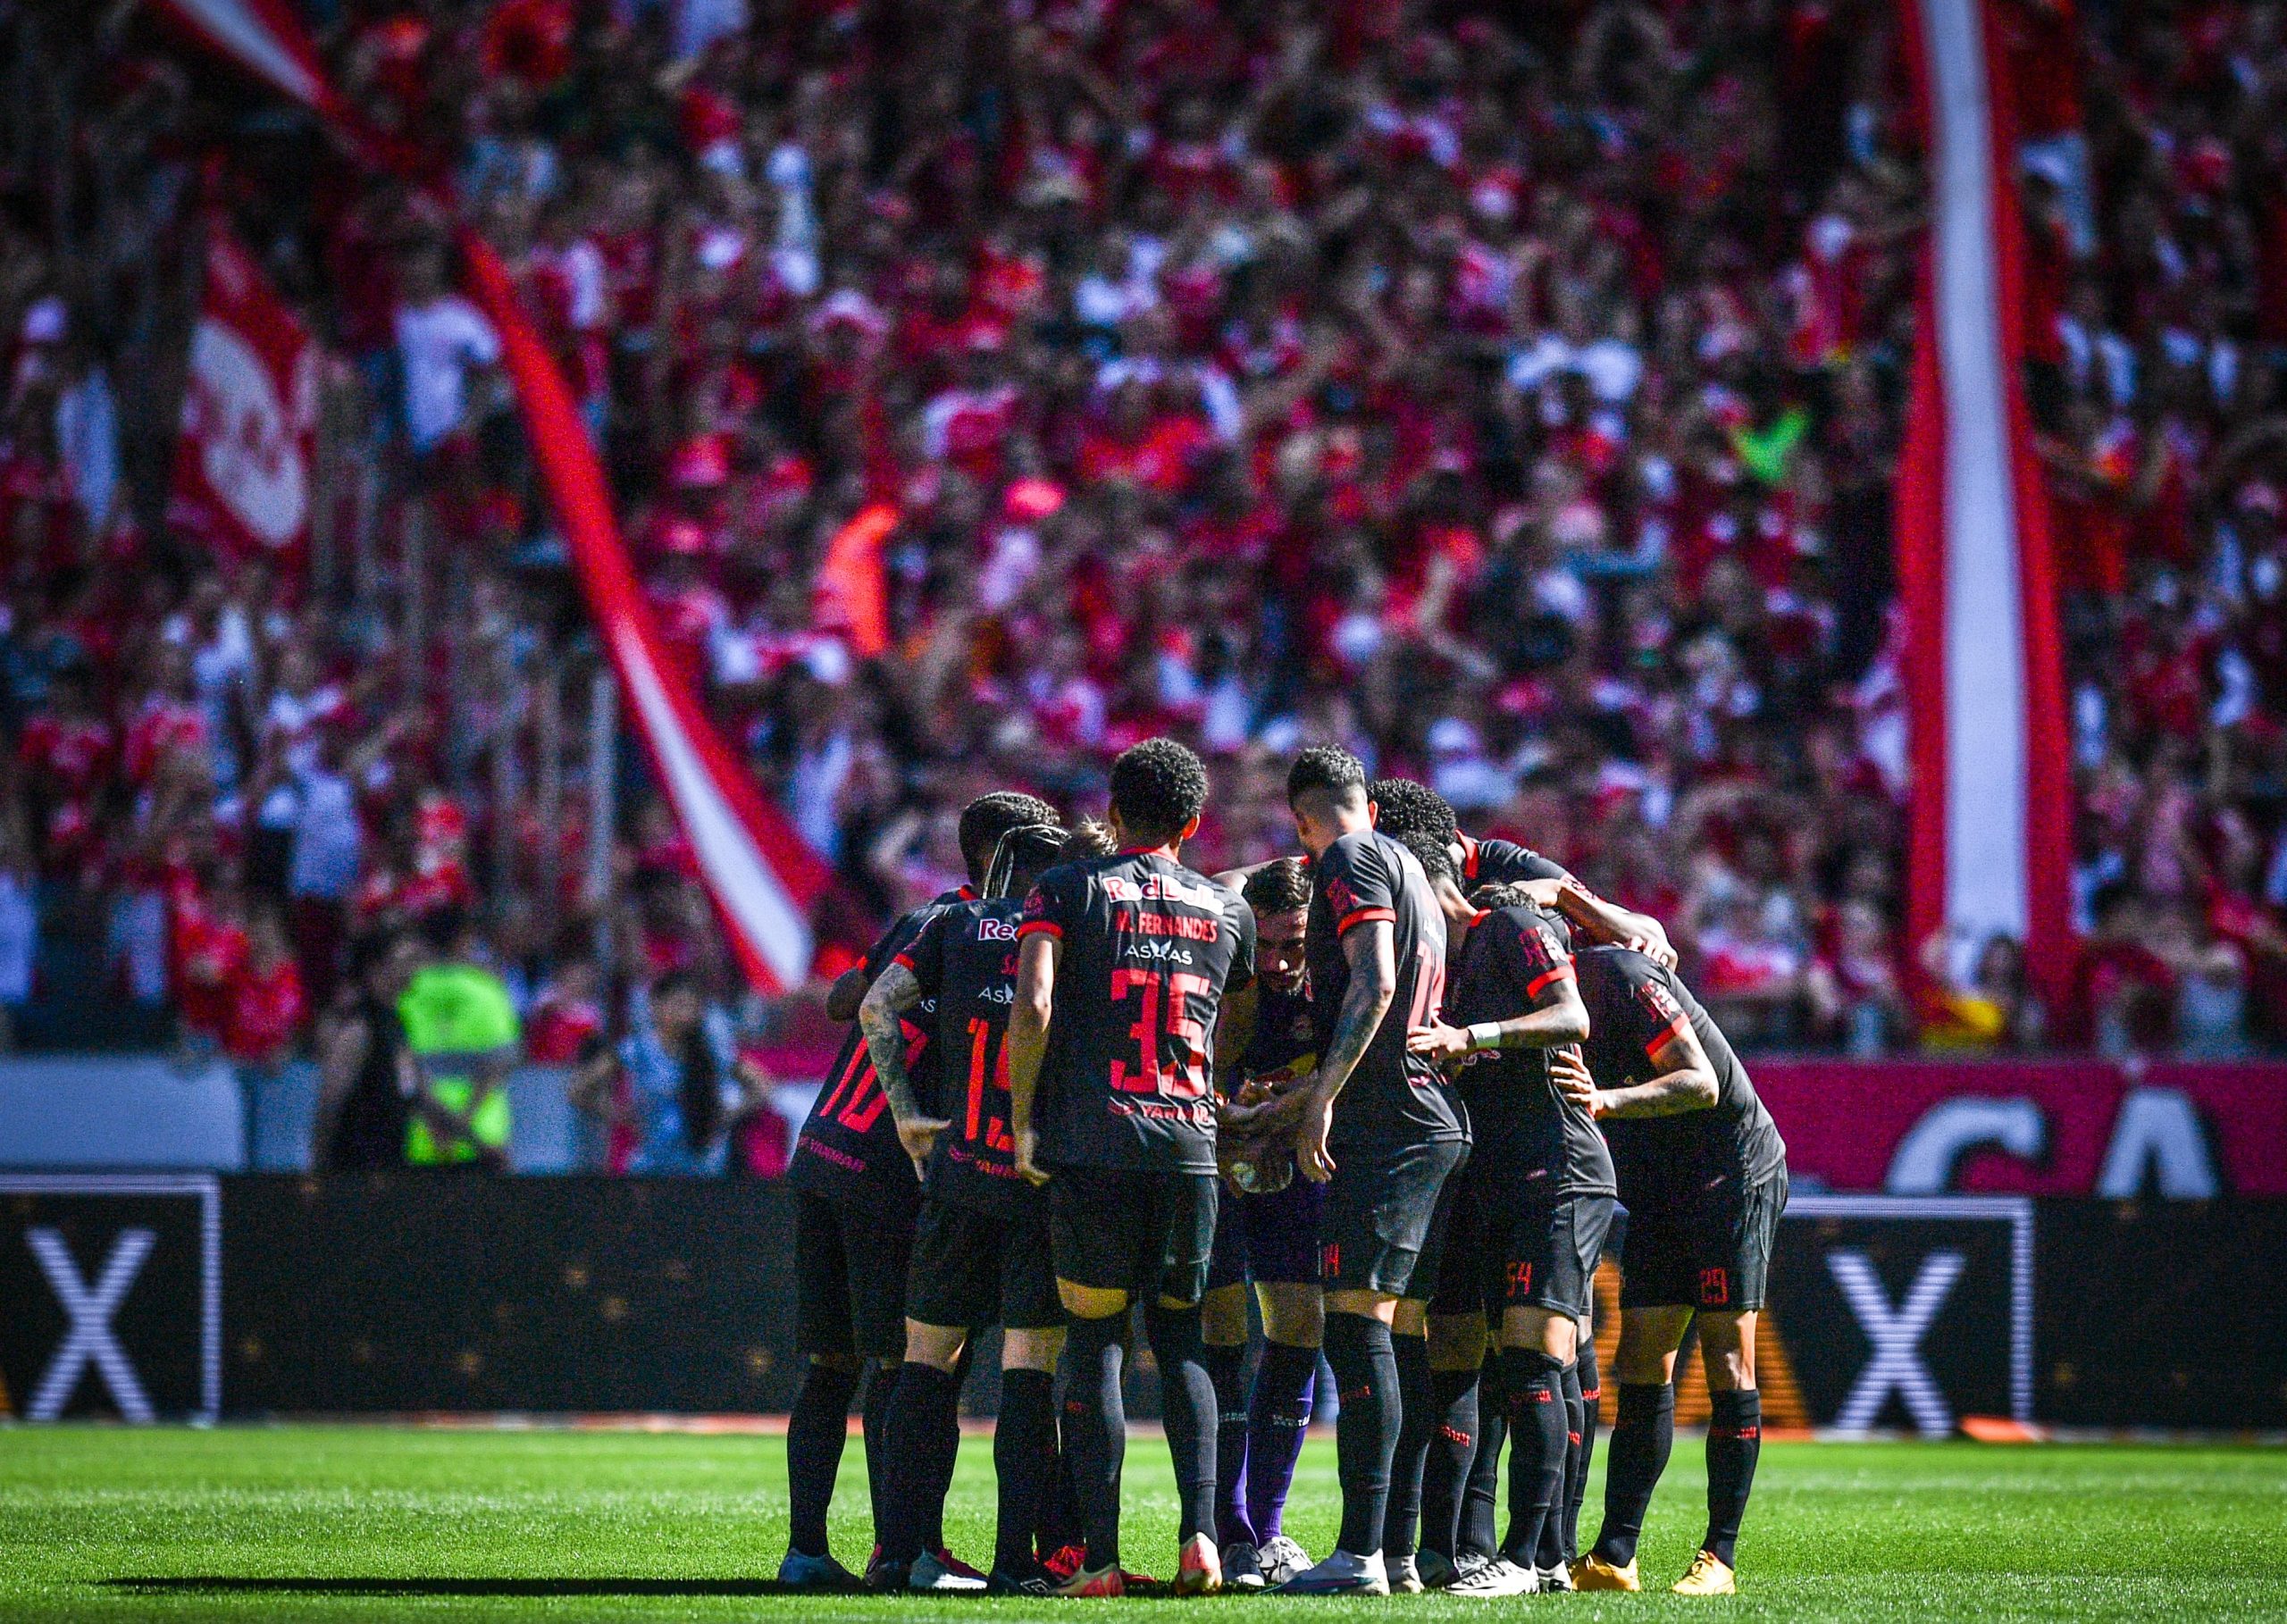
(1511, 393)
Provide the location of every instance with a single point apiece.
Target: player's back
(1635, 1005)
(1393, 1096)
(968, 959)
(848, 1148)
(1526, 1131)
(1148, 948)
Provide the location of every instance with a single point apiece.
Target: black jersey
(1393, 1099)
(1634, 1007)
(1531, 1141)
(1148, 948)
(1504, 863)
(965, 960)
(848, 1148)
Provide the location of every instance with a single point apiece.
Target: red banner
(2181, 1129)
(249, 415)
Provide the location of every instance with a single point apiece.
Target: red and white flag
(1990, 810)
(249, 415)
(760, 872)
(762, 876)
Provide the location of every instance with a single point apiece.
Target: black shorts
(1379, 1217)
(1711, 1251)
(1463, 1269)
(974, 1269)
(1147, 1233)
(850, 1268)
(1547, 1251)
(1270, 1240)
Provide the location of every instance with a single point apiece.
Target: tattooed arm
(896, 990)
(1371, 951)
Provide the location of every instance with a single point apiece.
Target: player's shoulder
(1621, 966)
(1525, 920)
(1367, 847)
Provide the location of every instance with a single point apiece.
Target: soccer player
(856, 1199)
(1380, 1128)
(1407, 808)
(1269, 1239)
(1543, 1182)
(1703, 1172)
(980, 1247)
(1122, 966)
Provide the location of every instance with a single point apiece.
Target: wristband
(1485, 1034)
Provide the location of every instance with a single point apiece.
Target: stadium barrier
(155, 1296)
(2184, 1130)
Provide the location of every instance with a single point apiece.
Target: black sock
(1642, 1434)
(881, 1383)
(1023, 1463)
(945, 1453)
(1226, 1367)
(1187, 1410)
(1452, 1450)
(1576, 1488)
(1537, 1430)
(1417, 1420)
(816, 1430)
(1481, 1501)
(1059, 1514)
(1551, 1551)
(1734, 1442)
(911, 1432)
(1365, 1434)
(1095, 1430)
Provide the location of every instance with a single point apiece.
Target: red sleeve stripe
(1469, 857)
(1040, 927)
(1562, 972)
(1363, 915)
(1668, 1033)
(905, 960)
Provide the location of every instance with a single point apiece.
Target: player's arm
(1607, 922)
(1555, 1017)
(1026, 1042)
(1369, 947)
(880, 1017)
(1683, 1081)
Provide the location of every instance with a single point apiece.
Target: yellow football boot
(1592, 1572)
(1708, 1577)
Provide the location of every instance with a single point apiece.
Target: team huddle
(1398, 1087)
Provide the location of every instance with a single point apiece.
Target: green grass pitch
(367, 1523)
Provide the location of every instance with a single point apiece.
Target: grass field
(326, 1523)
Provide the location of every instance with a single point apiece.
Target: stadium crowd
(1509, 394)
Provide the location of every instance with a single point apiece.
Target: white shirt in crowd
(437, 344)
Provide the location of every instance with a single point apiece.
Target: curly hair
(1324, 766)
(1157, 787)
(988, 817)
(1404, 807)
(1435, 861)
(1282, 886)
